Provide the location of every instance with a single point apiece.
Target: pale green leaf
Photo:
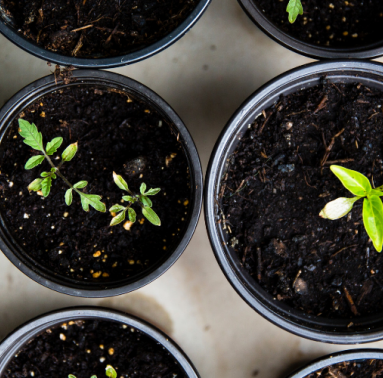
(84, 203)
(46, 186)
(373, 220)
(294, 8)
(71, 376)
(146, 201)
(35, 185)
(80, 184)
(120, 182)
(132, 215)
(93, 200)
(53, 145)
(31, 135)
(129, 199)
(110, 372)
(34, 161)
(338, 208)
(69, 197)
(69, 152)
(142, 188)
(93, 376)
(152, 192)
(116, 208)
(118, 218)
(45, 174)
(376, 192)
(151, 216)
(354, 181)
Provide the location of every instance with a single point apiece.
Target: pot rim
(133, 57)
(286, 317)
(369, 51)
(337, 357)
(95, 77)
(14, 341)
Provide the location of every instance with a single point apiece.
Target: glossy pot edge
(310, 50)
(112, 62)
(13, 342)
(34, 90)
(232, 268)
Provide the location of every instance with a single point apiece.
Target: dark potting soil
(333, 23)
(94, 28)
(114, 133)
(347, 369)
(85, 348)
(278, 181)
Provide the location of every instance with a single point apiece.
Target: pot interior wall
(34, 265)
(252, 108)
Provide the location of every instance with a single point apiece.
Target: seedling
(109, 371)
(33, 138)
(360, 186)
(294, 8)
(141, 199)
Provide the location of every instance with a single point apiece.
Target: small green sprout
(141, 199)
(294, 8)
(360, 186)
(33, 138)
(109, 371)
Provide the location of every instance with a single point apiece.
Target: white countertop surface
(205, 76)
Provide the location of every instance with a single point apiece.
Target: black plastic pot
(11, 33)
(15, 341)
(336, 358)
(69, 286)
(308, 49)
(312, 327)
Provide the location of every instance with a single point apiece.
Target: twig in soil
(338, 161)
(79, 45)
(328, 149)
(337, 88)
(304, 174)
(259, 265)
(112, 33)
(350, 301)
(82, 28)
(321, 105)
(297, 276)
(245, 254)
(265, 122)
(344, 248)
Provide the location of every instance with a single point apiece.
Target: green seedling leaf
(118, 218)
(132, 215)
(69, 152)
(45, 174)
(110, 372)
(120, 182)
(151, 216)
(69, 197)
(46, 186)
(373, 220)
(80, 184)
(31, 135)
(34, 161)
(116, 208)
(35, 185)
(294, 8)
(129, 199)
(146, 201)
(71, 376)
(376, 192)
(93, 376)
(93, 200)
(53, 145)
(338, 208)
(152, 192)
(354, 181)
(142, 188)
